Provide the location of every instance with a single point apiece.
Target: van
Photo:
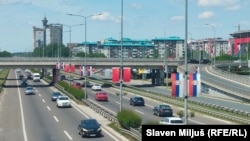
(36, 77)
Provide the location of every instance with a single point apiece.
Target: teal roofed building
(172, 47)
(130, 48)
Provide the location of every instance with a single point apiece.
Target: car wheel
(82, 135)
(158, 113)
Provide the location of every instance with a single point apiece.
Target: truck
(36, 77)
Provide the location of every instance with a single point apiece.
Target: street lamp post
(214, 43)
(186, 66)
(69, 26)
(121, 57)
(85, 57)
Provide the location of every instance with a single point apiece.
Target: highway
(36, 117)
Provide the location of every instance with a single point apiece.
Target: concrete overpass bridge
(34, 62)
(156, 65)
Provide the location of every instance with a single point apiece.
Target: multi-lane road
(36, 117)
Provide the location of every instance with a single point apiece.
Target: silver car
(29, 90)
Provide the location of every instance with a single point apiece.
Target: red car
(101, 96)
(77, 85)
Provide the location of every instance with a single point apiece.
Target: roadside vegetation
(3, 75)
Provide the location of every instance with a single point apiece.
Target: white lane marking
(139, 112)
(43, 101)
(48, 108)
(40, 95)
(117, 102)
(22, 115)
(149, 106)
(67, 134)
(55, 118)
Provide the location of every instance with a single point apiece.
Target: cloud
(106, 16)
(136, 6)
(233, 7)
(14, 2)
(217, 2)
(206, 15)
(229, 4)
(177, 18)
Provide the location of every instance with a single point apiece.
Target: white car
(63, 101)
(171, 121)
(97, 87)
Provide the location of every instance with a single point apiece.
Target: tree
(5, 54)
(51, 50)
(93, 55)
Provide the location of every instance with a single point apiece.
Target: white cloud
(233, 7)
(229, 4)
(136, 6)
(102, 17)
(177, 18)
(217, 2)
(205, 15)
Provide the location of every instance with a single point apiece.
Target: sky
(142, 19)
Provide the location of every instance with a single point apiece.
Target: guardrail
(222, 86)
(231, 76)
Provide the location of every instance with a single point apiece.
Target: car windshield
(29, 88)
(63, 98)
(139, 99)
(56, 94)
(176, 121)
(165, 107)
(90, 122)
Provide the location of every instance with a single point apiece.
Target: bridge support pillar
(157, 80)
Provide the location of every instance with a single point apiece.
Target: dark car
(205, 61)
(24, 82)
(21, 77)
(55, 95)
(163, 110)
(89, 128)
(29, 76)
(136, 101)
(193, 61)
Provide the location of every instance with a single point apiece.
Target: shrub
(128, 118)
(77, 93)
(180, 113)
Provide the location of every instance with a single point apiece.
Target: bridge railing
(231, 76)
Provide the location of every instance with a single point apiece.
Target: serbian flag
(83, 71)
(194, 85)
(177, 84)
(58, 65)
(80, 70)
(90, 73)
